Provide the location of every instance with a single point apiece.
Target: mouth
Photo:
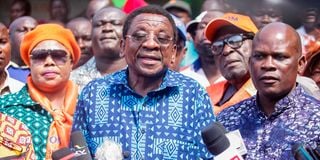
(149, 59)
(107, 38)
(49, 74)
(268, 79)
(231, 63)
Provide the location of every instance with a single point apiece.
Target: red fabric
(131, 5)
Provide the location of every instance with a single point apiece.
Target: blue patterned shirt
(296, 120)
(164, 124)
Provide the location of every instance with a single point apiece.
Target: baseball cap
(230, 19)
(192, 25)
(180, 27)
(178, 4)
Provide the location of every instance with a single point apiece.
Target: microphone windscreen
(109, 150)
(77, 138)
(63, 153)
(215, 139)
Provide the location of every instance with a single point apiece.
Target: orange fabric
(230, 19)
(49, 32)
(217, 90)
(62, 119)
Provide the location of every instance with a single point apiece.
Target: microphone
(218, 144)
(300, 153)
(80, 146)
(63, 154)
(109, 150)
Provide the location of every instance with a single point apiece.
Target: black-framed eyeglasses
(60, 57)
(160, 39)
(234, 41)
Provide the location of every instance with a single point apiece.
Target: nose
(266, 18)
(107, 27)
(49, 61)
(151, 43)
(226, 50)
(268, 64)
(80, 42)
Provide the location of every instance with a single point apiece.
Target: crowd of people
(150, 78)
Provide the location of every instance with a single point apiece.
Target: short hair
(152, 9)
(25, 5)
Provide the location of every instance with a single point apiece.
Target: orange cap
(49, 32)
(230, 19)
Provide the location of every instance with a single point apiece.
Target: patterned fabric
(296, 120)
(165, 124)
(15, 139)
(217, 91)
(20, 106)
(85, 73)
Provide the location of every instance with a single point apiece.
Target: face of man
(149, 46)
(18, 29)
(310, 17)
(51, 73)
(202, 44)
(5, 48)
(265, 15)
(181, 52)
(107, 32)
(59, 10)
(315, 71)
(81, 29)
(181, 14)
(17, 10)
(233, 60)
(274, 60)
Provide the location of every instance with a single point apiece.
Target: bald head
(96, 5)
(279, 33)
(18, 28)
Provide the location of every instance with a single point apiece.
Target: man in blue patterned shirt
(153, 112)
(281, 114)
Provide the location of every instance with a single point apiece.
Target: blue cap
(182, 32)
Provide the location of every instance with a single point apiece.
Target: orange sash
(60, 128)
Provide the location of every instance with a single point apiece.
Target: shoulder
(21, 97)
(232, 116)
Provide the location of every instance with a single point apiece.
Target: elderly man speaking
(153, 112)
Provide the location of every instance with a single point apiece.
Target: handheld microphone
(80, 146)
(218, 144)
(63, 154)
(300, 153)
(109, 150)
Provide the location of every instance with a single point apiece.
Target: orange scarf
(60, 128)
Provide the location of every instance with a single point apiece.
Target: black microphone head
(215, 139)
(77, 139)
(80, 146)
(62, 153)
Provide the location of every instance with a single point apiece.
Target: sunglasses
(162, 40)
(234, 42)
(60, 57)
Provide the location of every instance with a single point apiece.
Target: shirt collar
(169, 80)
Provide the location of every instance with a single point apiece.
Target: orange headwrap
(49, 32)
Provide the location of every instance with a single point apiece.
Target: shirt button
(143, 131)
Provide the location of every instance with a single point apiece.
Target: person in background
(181, 44)
(281, 114)
(180, 9)
(19, 8)
(204, 69)
(144, 107)
(95, 5)
(59, 12)
(7, 84)
(312, 68)
(81, 29)
(231, 39)
(15, 132)
(107, 26)
(17, 30)
(47, 102)
(264, 12)
(310, 21)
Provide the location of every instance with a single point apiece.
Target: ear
(174, 53)
(122, 46)
(301, 64)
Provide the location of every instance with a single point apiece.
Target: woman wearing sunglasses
(47, 103)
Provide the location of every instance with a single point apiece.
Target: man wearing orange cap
(47, 103)
(231, 39)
